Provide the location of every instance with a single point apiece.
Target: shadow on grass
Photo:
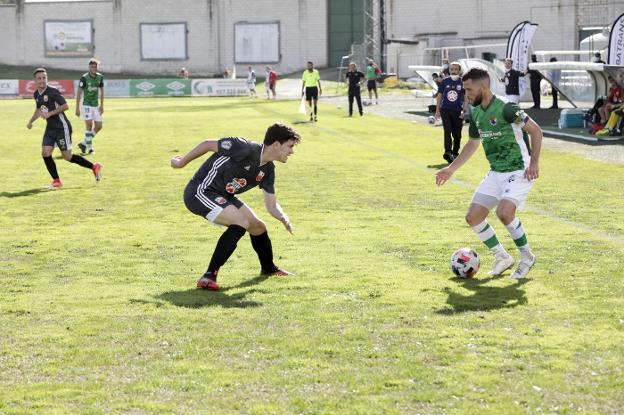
(437, 166)
(198, 298)
(484, 298)
(28, 192)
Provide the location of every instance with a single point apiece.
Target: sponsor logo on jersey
(226, 145)
(220, 200)
(452, 96)
(235, 185)
(247, 168)
(259, 176)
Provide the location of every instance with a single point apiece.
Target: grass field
(99, 311)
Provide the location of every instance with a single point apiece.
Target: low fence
(209, 87)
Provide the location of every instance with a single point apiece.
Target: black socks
(262, 245)
(51, 166)
(224, 249)
(80, 161)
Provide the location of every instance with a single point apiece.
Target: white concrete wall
(210, 42)
(8, 22)
(491, 20)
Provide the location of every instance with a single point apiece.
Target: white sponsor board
(68, 38)
(9, 87)
(219, 87)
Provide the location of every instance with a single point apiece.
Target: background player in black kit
(51, 106)
(236, 166)
(355, 78)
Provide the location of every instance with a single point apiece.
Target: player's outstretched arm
(274, 208)
(78, 95)
(534, 130)
(469, 149)
(177, 162)
(101, 100)
(34, 117)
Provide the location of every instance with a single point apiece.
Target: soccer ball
(465, 263)
(431, 119)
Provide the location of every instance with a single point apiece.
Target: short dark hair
(281, 133)
(38, 70)
(476, 74)
(311, 62)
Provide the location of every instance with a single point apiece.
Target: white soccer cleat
(524, 266)
(501, 264)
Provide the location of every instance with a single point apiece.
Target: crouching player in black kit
(236, 166)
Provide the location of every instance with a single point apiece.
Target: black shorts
(371, 85)
(311, 93)
(62, 138)
(208, 204)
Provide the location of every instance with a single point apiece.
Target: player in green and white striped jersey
(501, 127)
(91, 89)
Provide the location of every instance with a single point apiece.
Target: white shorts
(90, 113)
(511, 186)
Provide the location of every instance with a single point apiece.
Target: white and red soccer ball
(465, 263)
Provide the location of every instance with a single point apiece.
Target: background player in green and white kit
(501, 127)
(91, 87)
(372, 73)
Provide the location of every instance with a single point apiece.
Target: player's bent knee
(472, 219)
(257, 227)
(505, 214)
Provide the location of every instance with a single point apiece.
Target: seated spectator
(593, 116)
(614, 99)
(184, 73)
(611, 111)
(597, 58)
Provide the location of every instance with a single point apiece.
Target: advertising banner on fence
(9, 87)
(159, 87)
(116, 88)
(113, 87)
(219, 87)
(65, 87)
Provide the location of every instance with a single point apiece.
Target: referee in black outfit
(355, 78)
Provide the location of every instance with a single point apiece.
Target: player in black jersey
(236, 166)
(50, 105)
